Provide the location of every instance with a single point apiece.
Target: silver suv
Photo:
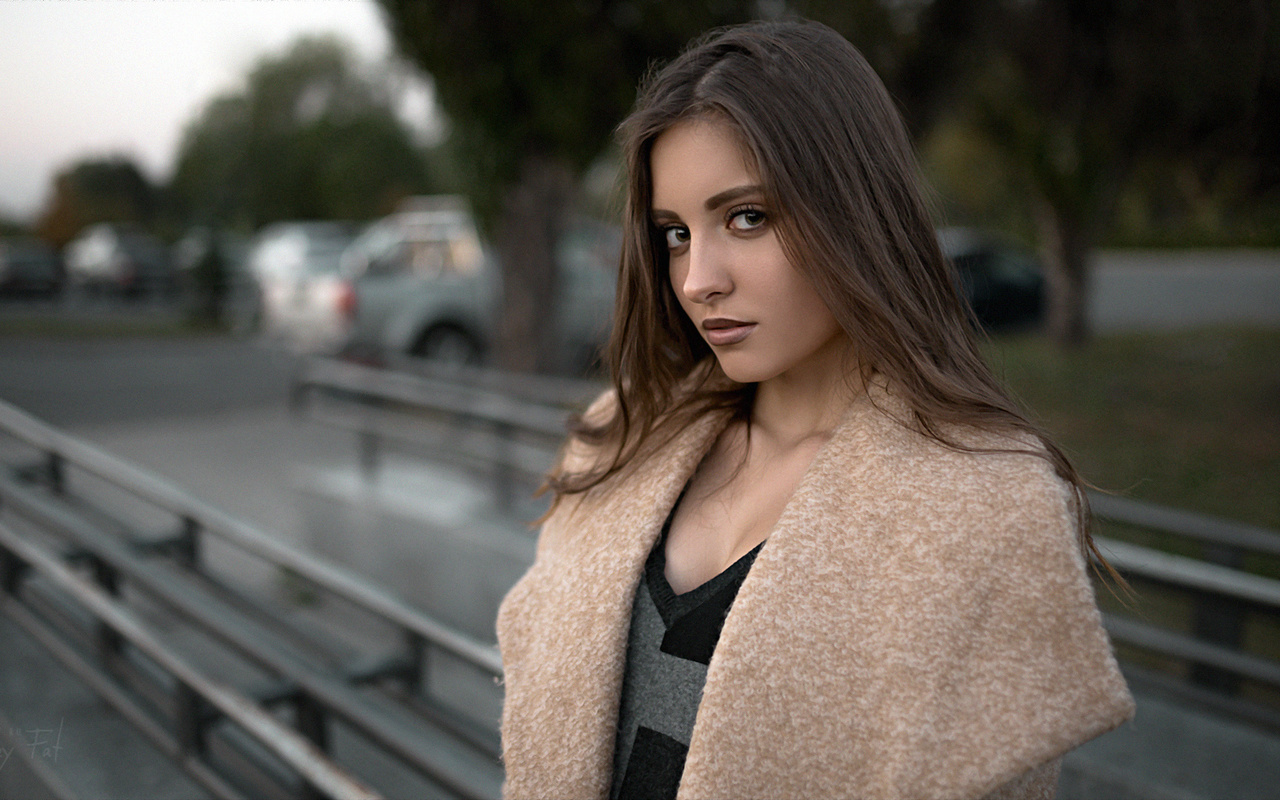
(427, 285)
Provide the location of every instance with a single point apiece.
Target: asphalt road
(1153, 289)
(104, 381)
(208, 415)
(93, 382)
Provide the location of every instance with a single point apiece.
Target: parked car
(587, 255)
(119, 259)
(424, 282)
(1003, 282)
(29, 267)
(427, 285)
(305, 303)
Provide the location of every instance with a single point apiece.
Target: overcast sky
(98, 77)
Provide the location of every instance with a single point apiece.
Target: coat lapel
(562, 710)
(919, 625)
(767, 623)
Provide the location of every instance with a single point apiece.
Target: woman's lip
(730, 334)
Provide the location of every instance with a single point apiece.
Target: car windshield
(323, 258)
(418, 243)
(1014, 266)
(296, 251)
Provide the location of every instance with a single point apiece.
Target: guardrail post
(12, 569)
(1219, 620)
(504, 478)
(311, 720)
(107, 640)
(188, 712)
(187, 548)
(416, 677)
(56, 470)
(312, 723)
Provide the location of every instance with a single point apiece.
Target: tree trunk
(1065, 246)
(532, 217)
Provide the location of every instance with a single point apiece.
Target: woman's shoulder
(578, 454)
(999, 477)
(657, 423)
(956, 451)
(1001, 469)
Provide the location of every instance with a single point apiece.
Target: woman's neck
(808, 400)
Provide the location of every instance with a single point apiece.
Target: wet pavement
(226, 436)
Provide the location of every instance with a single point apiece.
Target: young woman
(806, 546)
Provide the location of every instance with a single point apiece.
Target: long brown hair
(837, 167)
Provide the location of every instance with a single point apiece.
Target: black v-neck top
(669, 646)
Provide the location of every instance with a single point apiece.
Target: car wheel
(448, 346)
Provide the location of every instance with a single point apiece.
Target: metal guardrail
(520, 423)
(1199, 527)
(1224, 600)
(200, 519)
(46, 523)
(1224, 594)
(190, 686)
(503, 427)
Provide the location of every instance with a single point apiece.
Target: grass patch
(1189, 419)
(120, 324)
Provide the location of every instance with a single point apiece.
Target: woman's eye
(748, 219)
(676, 236)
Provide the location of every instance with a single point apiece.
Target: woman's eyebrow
(713, 202)
(729, 195)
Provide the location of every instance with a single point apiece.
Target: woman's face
(761, 317)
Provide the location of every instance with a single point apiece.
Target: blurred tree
(96, 190)
(309, 137)
(1070, 97)
(1075, 96)
(533, 91)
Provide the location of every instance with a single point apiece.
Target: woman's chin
(739, 371)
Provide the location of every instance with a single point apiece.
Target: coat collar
(611, 532)
(918, 624)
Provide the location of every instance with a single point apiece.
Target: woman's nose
(707, 275)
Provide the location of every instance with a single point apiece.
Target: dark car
(29, 267)
(1003, 282)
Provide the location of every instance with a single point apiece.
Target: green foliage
(544, 80)
(1184, 204)
(309, 137)
(974, 183)
(1140, 121)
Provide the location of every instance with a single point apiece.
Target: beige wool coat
(919, 624)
